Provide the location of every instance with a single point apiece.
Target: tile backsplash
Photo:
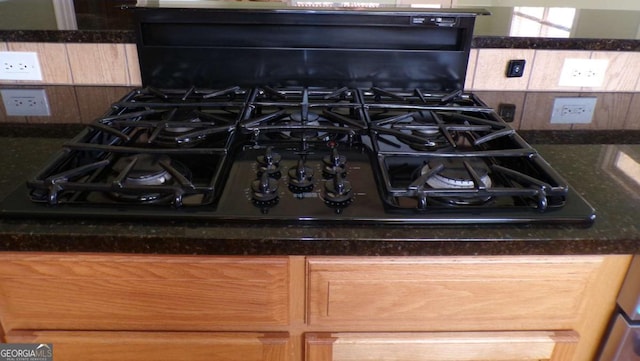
(543, 68)
(82, 79)
(82, 63)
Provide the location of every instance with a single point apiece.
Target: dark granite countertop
(594, 170)
(479, 42)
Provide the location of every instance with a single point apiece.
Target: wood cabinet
(160, 346)
(152, 307)
(441, 346)
(151, 293)
(449, 294)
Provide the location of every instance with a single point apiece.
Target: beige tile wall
(69, 103)
(494, 99)
(471, 68)
(82, 63)
(543, 67)
(53, 61)
(490, 74)
(533, 109)
(94, 101)
(98, 64)
(632, 121)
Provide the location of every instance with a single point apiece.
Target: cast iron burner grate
(309, 154)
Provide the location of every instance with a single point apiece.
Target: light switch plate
(25, 102)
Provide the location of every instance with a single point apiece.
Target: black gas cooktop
(301, 154)
(302, 116)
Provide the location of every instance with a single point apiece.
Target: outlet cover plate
(25, 102)
(583, 72)
(573, 110)
(19, 65)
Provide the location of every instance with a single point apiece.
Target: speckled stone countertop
(590, 168)
(128, 36)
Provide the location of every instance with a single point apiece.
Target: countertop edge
(335, 247)
(479, 42)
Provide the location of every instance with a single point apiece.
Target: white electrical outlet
(573, 110)
(583, 72)
(19, 65)
(25, 102)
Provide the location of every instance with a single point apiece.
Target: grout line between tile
(126, 64)
(533, 62)
(627, 114)
(66, 54)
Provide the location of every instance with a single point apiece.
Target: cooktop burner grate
(303, 154)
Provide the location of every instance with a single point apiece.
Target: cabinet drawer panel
(442, 346)
(438, 294)
(72, 292)
(159, 346)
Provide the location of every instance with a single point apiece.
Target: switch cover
(515, 68)
(507, 112)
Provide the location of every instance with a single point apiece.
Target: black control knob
(269, 163)
(300, 178)
(265, 190)
(338, 192)
(334, 164)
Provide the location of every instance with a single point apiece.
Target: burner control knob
(334, 163)
(338, 192)
(269, 163)
(265, 190)
(300, 178)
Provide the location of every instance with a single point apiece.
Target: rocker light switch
(507, 112)
(515, 68)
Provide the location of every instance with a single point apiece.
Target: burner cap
(146, 169)
(431, 140)
(311, 117)
(138, 174)
(454, 174)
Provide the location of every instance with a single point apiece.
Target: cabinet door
(449, 293)
(441, 346)
(160, 346)
(128, 292)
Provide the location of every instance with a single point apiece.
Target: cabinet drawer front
(443, 346)
(89, 292)
(448, 293)
(159, 346)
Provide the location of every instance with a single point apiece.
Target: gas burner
(426, 141)
(418, 97)
(296, 124)
(342, 95)
(304, 114)
(416, 128)
(193, 95)
(175, 127)
(140, 177)
(310, 118)
(455, 173)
